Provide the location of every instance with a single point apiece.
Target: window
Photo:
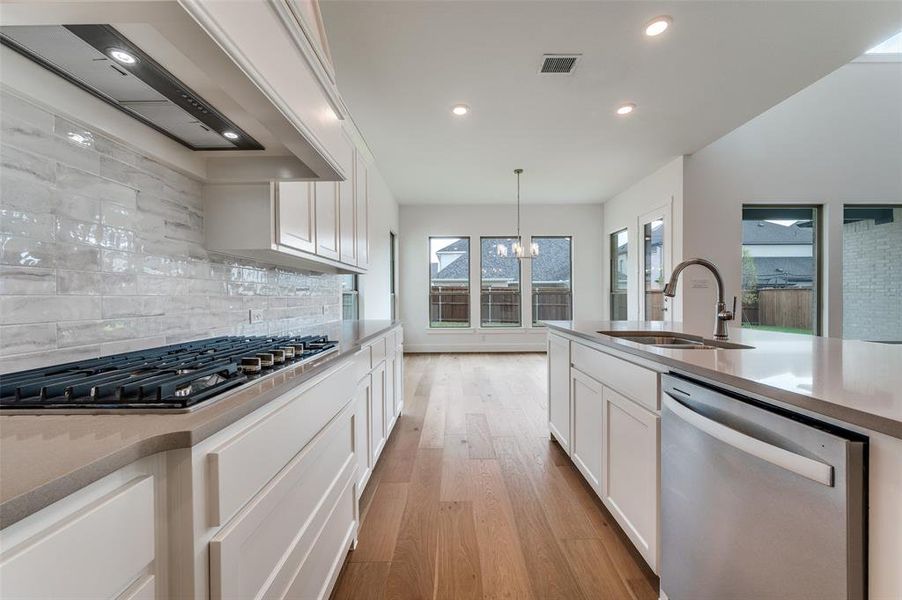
(871, 273)
(449, 282)
(780, 268)
(619, 270)
(499, 284)
(552, 282)
(392, 273)
(350, 305)
(653, 265)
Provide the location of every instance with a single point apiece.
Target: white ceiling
(402, 65)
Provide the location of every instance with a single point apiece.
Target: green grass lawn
(446, 325)
(776, 328)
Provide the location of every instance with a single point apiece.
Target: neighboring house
(550, 269)
(779, 255)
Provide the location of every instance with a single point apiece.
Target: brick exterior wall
(872, 280)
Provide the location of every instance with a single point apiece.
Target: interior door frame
(663, 212)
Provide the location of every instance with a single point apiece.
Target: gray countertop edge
(19, 507)
(844, 414)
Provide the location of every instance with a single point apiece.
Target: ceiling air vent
(560, 64)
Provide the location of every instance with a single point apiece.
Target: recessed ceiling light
(658, 25)
(230, 134)
(460, 109)
(122, 56)
(626, 109)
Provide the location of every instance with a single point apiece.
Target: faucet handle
(727, 315)
(733, 312)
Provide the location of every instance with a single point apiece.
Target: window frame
(818, 238)
(519, 324)
(571, 237)
(469, 325)
(611, 259)
(354, 291)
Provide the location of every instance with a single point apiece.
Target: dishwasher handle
(801, 465)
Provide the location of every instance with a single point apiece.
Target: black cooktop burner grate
(174, 377)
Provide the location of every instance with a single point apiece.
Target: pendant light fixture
(517, 248)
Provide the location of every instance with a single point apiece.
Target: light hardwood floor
(472, 500)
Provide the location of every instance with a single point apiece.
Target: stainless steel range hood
(102, 61)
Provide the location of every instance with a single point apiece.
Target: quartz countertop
(46, 457)
(859, 383)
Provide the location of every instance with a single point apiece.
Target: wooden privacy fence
(499, 306)
(782, 307)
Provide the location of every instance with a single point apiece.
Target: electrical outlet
(256, 316)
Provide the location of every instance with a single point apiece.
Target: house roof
(552, 264)
(781, 270)
(763, 232)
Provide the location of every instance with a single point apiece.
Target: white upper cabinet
(296, 222)
(347, 209)
(327, 219)
(363, 212)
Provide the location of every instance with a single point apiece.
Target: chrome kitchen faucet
(721, 315)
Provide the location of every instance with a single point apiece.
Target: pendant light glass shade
(517, 249)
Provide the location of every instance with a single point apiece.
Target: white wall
(375, 285)
(418, 223)
(838, 141)
(664, 187)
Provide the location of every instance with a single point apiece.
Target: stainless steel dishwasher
(758, 503)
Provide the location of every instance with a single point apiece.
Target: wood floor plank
(492, 510)
(594, 570)
(456, 469)
(479, 437)
(631, 568)
(361, 581)
(412, 572)
(458, 571)
(433, 434)
(549, 572)
(503, 566)
(379, 530)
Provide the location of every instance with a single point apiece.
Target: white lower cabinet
(61, 559)
(559, 389)
(362, 421)
(612, 438)
(631, 469)
(380, 418)
(587, 401)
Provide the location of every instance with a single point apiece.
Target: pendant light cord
(519, 237)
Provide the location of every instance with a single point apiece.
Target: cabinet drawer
(62, 562)
(379, 350)
(143, 589)
(362, 363)
(633, 381)
(258, 553)
(240, 467)
(319, 571)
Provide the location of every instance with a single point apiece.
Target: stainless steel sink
(676, 341)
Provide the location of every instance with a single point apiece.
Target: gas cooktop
(166, 379)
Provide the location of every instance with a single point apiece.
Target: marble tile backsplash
(101, 251)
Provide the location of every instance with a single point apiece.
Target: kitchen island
(272, 469)
(600, 382)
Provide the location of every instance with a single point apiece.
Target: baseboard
(497, 347)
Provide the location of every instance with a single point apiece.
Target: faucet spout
(721, 315)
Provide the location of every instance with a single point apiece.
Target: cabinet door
(586, 443)
(362, 445)
(347, 209)
(390, 414)
(398, 374)
(296, 215)
(630, 490)
(559, 390)
(327, 219)
(362, 199)
(379, 418)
